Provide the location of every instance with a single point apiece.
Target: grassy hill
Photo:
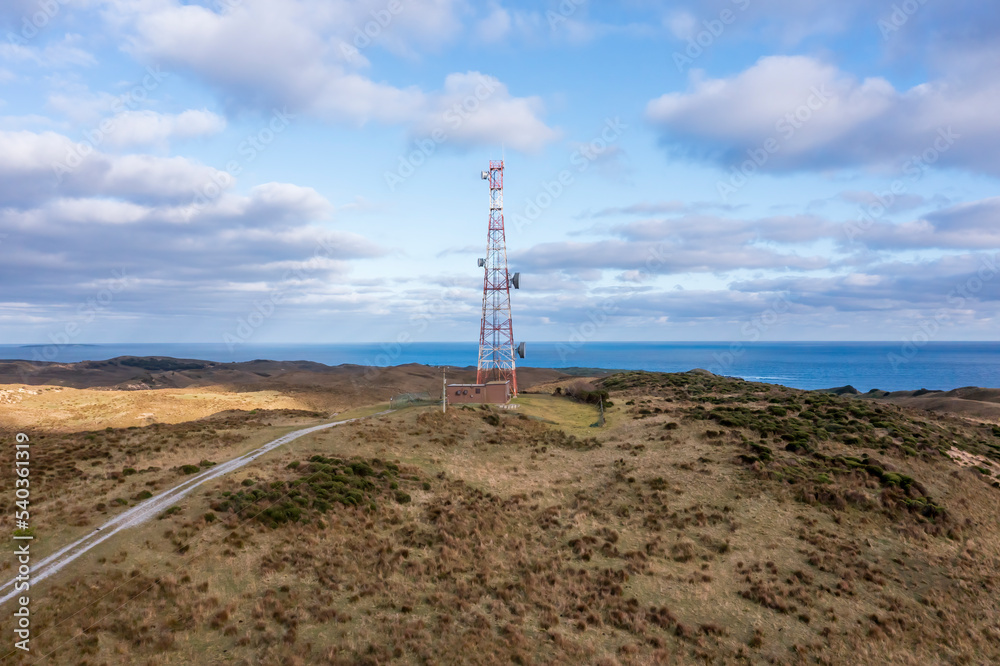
(711, 521)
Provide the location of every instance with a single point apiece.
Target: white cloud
(663, 258)
(133, 128)
(83, 211)
(25, 121)
(275, 201)
(137, 212)
(494, 27)
(971, 225)
(269, 54)
(63, 53)
(822, 117)
(682, 25)
(37, 166)
(477, 109)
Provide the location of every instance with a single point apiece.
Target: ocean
(803, 365)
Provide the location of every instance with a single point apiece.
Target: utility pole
(444, 390)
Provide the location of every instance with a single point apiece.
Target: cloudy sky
(308, 170)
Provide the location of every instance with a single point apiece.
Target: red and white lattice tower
(496, 337)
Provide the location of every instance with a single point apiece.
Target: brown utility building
(490, 393)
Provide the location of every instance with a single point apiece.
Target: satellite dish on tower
(516, 280)
(486, 175)
(520, 350)
(482, 262)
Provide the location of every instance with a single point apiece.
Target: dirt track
(155, 505)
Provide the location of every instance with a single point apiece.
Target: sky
(308, 171)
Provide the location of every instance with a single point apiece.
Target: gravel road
(147, 509)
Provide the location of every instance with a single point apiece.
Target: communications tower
(496, 337)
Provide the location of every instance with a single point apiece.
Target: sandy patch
(68, 409)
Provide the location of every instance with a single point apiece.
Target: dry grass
(63, 409)
(572, 417)
(671, 538)
(80, 480)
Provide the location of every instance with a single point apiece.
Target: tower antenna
(496, 335)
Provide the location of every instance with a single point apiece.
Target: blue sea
(804, 365)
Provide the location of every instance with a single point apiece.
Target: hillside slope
(711, 520)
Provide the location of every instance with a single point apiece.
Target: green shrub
(248, 482)
(361, 469)
(351, 498)
(144, 495)
(190, 469)
(402, 497)
(764, 453)
(292, 465)
(128, 471)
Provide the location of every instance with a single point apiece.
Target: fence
(412, 400)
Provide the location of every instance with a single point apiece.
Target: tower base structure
(490, 393)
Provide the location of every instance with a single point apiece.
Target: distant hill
(154, 372)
